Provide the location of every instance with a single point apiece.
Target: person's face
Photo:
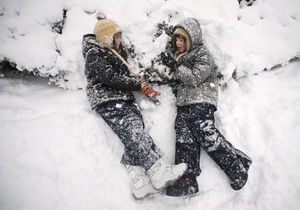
(180, 44)
(117, 40)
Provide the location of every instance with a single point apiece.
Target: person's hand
(147, 90)
(169, 61)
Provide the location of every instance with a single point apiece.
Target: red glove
(147, 90)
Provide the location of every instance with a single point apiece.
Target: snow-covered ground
(56, 153)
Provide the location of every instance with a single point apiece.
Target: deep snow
(56, 153)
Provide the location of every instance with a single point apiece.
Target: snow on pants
(125, 119)
(195, 129)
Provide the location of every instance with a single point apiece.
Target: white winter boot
(162, 175)
(142, 185)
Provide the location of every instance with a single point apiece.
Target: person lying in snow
(109, 91)
(196, 98)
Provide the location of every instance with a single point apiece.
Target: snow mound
(44, 37)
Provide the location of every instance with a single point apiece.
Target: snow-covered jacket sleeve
(107, 71)
(196, 72)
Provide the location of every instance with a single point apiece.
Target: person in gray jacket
(196, 98)
(109, 91)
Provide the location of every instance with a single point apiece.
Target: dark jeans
(195, 129)
(126, 121)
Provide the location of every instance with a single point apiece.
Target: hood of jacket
(192, 27)
(88, 42)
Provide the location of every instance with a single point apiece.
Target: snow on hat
(180, 31)
(105, 29)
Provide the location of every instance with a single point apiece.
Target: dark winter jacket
(107, 76)
(197, 74)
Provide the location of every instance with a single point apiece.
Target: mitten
(169, 61)
(147, 90)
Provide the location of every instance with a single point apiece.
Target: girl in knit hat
(196, 99)
(109, 90)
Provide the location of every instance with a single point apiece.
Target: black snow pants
(125, 119)
(195, 129)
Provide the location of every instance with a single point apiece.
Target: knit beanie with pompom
(105, 29)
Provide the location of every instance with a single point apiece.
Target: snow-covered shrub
(244, 3)
(44, 37)
(157, 72)
(58, 26)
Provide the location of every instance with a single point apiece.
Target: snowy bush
(246, 2)
(44, 37)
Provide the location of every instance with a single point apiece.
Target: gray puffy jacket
(197, 75)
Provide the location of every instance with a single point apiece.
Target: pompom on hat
(105, 29)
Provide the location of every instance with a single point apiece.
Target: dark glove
(169, 61)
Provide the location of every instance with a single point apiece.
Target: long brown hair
(121, 50)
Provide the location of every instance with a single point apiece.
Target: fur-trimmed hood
(192, 27)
